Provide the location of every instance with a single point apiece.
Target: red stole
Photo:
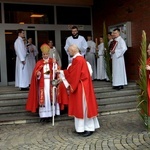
(36, 93)
(62, 96)
(113, 45)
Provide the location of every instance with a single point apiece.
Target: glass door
(43, 37)
(38, 37)
(10, 37)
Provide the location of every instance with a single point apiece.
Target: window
(73, 15)
(29, 14)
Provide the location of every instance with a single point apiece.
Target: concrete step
(102, 98)
(115, 93)
(12, 102)
(26, 118)
(109, 87)
(118, 106)
(10, 108)
(11, 96)
(116, 100)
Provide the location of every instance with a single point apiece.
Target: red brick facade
(138, 12)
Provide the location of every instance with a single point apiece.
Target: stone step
(119, 106)
(17, 101)
(109, 88)
(26, 118)
(124, 92)
(10, 108)
(12, 102)
(105, 99)
(16, 113)
(116, 100)
(11, 96)
(101, 101)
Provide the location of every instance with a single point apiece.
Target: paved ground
(117, 132)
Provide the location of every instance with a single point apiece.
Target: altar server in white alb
(22, 73)
(101, 68)
(78, 40)
(53, 51)
(90, 55)
(33, 52)
(118, 64)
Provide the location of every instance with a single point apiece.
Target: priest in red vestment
(40, 94)
(148, 78)
(82, 103)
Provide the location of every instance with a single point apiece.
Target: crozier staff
(40, 94)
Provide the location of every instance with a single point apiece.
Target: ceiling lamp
(37, 15)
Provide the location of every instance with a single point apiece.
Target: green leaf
(107, 56)
(142, 82)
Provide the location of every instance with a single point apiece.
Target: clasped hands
(59, 79)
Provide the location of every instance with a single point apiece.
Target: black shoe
(24, 89)
(80, 133)
(115, 87)
(98, 80)
(87, 133)
(119, 87)
(47, 119)
(42, 120)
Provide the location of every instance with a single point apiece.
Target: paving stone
(121, 131)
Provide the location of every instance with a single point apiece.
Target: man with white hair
(82, 105)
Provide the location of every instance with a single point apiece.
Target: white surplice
(101, 68)
(118, 65)
(22, 79)
(31, 60)
(90, 57)
(80, 42)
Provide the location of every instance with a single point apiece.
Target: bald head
(72, 50)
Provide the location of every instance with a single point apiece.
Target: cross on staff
(54, 83)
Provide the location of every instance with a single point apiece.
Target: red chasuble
(79, 79)
(36, 92)
(148, 86)
(62, 96)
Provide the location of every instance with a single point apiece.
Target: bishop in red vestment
(40, 94)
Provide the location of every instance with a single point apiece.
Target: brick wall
(138, 12)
